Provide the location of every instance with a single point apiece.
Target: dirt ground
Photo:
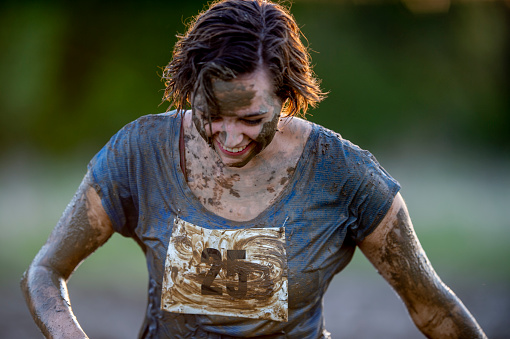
(357, 306)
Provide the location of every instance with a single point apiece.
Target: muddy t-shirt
(215, 278)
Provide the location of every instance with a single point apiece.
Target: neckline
(193, 200)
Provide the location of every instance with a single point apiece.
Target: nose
(231, 134)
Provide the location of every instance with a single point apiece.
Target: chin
(238, 164)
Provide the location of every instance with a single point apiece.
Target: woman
(244, 211)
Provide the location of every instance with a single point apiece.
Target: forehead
(258, 81)
(245, 91)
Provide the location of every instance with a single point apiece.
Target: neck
(242, 193)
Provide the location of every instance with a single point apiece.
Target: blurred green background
(426, 91)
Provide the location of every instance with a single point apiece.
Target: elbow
(27, 287)
(453, 321)
(437, 319)
(429, 322)
(37, 278)
(25, 282)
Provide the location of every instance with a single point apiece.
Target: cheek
(268, 131)
(202, 127)
(269, 128)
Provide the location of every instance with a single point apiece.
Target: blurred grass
(65, 82)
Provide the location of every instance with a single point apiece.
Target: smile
(233, 151)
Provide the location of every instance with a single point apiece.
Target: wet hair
(235, 37)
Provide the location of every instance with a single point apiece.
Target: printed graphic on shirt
(238, 273)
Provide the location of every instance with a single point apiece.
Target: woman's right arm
(82, 229)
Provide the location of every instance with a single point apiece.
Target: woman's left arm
(395, 251)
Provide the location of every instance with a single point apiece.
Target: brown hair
(234, 37)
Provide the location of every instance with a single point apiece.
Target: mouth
(236, 151)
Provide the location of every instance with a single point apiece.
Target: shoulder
(147, 127)
(294, 126)
(153, 131)
(152, 122)
(330, 148)
(331, 144)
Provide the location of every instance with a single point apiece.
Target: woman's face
(247, 119)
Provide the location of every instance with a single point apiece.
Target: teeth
(235, 149)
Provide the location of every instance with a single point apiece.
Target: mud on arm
(395, 251)
(83, 227)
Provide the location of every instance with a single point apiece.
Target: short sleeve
(375, 192)
(112, 173)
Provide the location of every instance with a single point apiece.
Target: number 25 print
(240, 273)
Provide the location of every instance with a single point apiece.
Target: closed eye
(252, 122)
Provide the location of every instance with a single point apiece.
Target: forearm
(446, 317)
(82, 229)
(48, 300)
(394, 249)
